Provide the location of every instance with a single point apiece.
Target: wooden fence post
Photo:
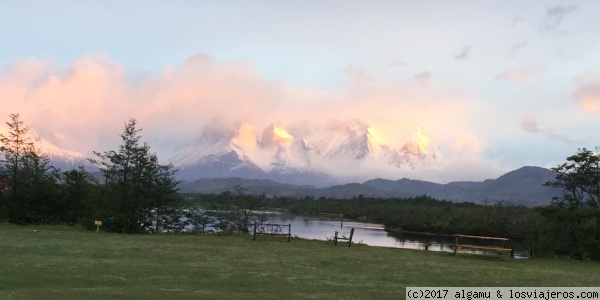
(335, 239)
(289, 231)
(351, 234)
(254, 235)
(456, 245)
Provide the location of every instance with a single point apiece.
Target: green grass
(64, 263)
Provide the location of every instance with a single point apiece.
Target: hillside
(523, 186)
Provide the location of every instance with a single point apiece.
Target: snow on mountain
(283, 152)
(60, 158)
(44, 147)
(348, 140)
(220, 152)
(341, 149)
(417, 152)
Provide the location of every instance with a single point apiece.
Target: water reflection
(318, 228)
(322, 228)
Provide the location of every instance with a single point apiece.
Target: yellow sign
(98, 224)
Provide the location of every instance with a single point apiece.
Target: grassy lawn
(64, 263)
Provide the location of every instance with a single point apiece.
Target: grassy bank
(60, 262)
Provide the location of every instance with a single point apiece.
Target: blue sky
(505, 84)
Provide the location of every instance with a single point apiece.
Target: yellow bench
(500, 249)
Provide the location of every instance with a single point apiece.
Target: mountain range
(523, 186)
(340, 152)
(320, 163)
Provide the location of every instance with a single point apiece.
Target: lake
(323, 228)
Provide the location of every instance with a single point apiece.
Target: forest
(134, 193)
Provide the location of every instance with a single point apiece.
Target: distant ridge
(523, 186)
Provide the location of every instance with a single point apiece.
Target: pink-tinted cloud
(531, 124)
(587, 93)
(468, 141)
(521, 74)
(83, 106)
(423, 78)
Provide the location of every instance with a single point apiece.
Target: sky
(495, 85)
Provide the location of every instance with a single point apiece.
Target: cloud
(560, 11)
(530, 124)
(83, 106)
(423, 78)
(565, 56)
(358, 73)
(463, 54)
(587, 93)
(468, 140)
(516, 20)
(397, 63)
(521, 74)
(555, 16)
(518, 46)
(516, 49)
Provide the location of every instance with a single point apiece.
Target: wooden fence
(336, 237)
(272, 229)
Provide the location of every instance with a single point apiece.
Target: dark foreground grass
(38, 262)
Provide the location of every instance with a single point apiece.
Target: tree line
(129, 192)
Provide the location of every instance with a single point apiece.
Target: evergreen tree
(79, 195)
(15, 146)
(31, 187)
(135, 183)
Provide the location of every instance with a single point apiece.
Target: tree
(579, 177)
(134, 183)
(245, 204)
(30, 180)
(15, 147)
(164, 193)
(40, 189)
(79, 195)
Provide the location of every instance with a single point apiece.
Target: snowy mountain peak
(351, 139)
(217, 138)
(419, 143)
(44, 147)
(275, 135)
(61, 158)
(245, 138)
(341, 148)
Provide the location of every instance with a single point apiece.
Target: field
(65, 263)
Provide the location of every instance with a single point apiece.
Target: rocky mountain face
(322, 157)
(519, 187)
